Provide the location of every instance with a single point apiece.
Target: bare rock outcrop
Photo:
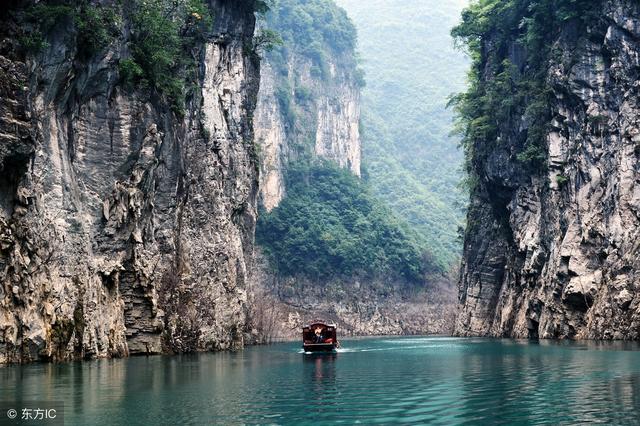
(124, 227)
(327, 115)
(556, 254)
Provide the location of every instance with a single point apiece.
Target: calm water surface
(383, 380)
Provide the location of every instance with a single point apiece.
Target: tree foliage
(266, 40)
(95, 26)
(165, 33)
(330, 224)
(317, 29)
(501, 91)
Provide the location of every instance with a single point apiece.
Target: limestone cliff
(125, 228)
(271, 136)
(302, 113)
(554, 253)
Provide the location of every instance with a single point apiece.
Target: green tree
(330, 225)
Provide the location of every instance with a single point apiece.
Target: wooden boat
(319, 337)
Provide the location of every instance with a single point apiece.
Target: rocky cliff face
(556, 254)
(280, 306)
(271, 136)
(338, 116)
(302, 113)
(124, 228)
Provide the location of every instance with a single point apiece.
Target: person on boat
(318, 338)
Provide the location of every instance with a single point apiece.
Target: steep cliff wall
(125, 227)
(309, 100)
(552, 251)
(271, 137)
(302, 113)
(338, 117)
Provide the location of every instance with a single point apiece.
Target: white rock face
(557, 255)
(124, 228)
(337, 131)
(271, 137)
(326, 121)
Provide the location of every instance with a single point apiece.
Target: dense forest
(411, 69)
(330, 225)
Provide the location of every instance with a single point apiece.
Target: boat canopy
(326, 335)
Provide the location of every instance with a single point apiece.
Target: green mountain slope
(330, 225)
(411, 67)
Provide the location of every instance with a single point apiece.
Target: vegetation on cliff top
(330, 224)
(316, 29)
(95, 26)
(320, 32)
(508, 78)
(163, 38)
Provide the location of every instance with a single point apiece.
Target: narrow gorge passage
(207, 174)
(359, 178)
(319, 212)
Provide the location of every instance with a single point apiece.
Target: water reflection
(422, 380)
(324, 368)
(319, 370)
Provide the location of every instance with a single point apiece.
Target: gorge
(132, 181)
(333, 245)
(444, 196)
(187, 176)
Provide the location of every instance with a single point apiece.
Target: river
(378, 380)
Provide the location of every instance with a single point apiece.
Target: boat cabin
(319, 337)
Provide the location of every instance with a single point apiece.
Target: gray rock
(330, 120)
(124, 228)
(561, 261)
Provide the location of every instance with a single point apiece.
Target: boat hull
(319, 347)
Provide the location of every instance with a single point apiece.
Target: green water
(382, 380)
